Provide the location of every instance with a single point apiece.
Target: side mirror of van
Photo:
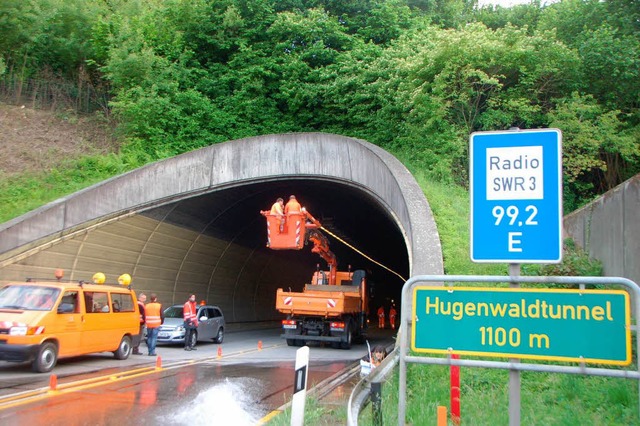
(203, 318)
(65, 308)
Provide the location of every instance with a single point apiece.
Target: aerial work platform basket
(287, 232)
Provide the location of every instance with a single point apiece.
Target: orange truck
(333, 307)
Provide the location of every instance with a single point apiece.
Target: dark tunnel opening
(349, 212)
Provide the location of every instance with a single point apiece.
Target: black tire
(348, 337)
(125, 348)
(300, 342)
(220, 336)
(46, 358)
(291, 342)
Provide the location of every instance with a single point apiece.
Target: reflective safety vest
(189, 313)
(152, 313)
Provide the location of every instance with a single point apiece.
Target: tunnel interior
(233, 215)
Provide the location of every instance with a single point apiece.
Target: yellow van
(43, 321)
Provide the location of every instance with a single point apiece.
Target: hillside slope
(38, 140)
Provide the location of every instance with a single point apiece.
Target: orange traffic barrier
(259, 345)
(442, 416)
(53, 382)
(158, 362)
(219, 352)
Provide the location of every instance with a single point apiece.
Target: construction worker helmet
(124, 279)
(99, 278)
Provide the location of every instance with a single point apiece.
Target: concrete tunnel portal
(192, 224)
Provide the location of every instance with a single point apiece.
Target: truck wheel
(346, 343)
(300, 342)
(291, 342)
(125, 348)
(46, 358)
(220, 336)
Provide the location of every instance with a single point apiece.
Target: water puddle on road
(232, 401)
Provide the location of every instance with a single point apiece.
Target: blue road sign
(516, 196)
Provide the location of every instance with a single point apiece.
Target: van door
(98, 334)
(68, 320)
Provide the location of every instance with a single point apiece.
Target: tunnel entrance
(233, 215)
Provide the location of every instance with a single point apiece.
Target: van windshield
(28, 297)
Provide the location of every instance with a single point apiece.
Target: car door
(217, 321)
(205, 327)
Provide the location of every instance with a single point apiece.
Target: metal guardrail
(362, 390)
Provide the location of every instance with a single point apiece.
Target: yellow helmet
(124, 279)
(99, 278)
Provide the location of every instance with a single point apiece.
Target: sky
(503, 3)
(509, 3)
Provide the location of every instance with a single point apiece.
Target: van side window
(122, 302)
(69, 303)
(96, 302)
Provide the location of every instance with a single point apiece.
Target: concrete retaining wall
(609, 230)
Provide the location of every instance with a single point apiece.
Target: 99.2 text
(513, 216)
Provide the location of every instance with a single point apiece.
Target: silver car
(210, 325)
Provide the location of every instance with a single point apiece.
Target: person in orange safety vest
(381, 317)
(277, 209)
(137, 339)
(154, 318)
(392, 317)
(293, 206)
(189, 314)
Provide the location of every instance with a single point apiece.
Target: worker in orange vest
(381, 317)
(392, 317)
(154, 318)
(189, 314)
(136, 341)
(293, 206)
(277, 209)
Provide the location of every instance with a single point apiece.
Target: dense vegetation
(415, 77)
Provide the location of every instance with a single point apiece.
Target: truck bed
(321, 300)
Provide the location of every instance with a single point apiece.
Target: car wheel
(125, 348)
(220, 336)
(46, 358)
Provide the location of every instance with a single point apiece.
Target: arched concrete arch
(191, 223)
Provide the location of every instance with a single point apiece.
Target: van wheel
(125, 348)
(46, 358)
(220, 336)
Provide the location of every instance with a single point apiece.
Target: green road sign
(556, 325)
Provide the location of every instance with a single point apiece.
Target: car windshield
(173, 312)
(26, 297)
